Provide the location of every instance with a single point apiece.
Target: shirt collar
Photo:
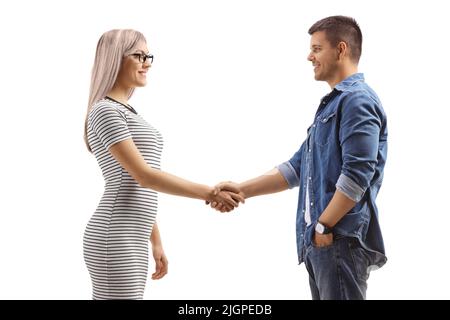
(350, 81)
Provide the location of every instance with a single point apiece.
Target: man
(339, 169)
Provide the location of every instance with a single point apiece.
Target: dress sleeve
(109, 124)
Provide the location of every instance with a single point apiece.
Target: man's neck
(342, 74)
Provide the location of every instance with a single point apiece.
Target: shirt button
(309, 150)
(309, 178)
(312, 204)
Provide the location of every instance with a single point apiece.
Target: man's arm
(283, 177)
(270, 182)
(338, 207)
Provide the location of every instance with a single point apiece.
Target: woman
(128, 151)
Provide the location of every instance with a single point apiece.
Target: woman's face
(133, 72)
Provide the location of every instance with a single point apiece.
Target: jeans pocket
(360, 259)
(313, 245)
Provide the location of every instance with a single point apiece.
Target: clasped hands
(226, 196)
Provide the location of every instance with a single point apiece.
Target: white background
(232, 93)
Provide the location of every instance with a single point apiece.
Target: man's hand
(323, 240)
(230, 189)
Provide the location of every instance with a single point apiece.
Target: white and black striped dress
(116, 239)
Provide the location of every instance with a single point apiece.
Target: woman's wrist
(208, 193)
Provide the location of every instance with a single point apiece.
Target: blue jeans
(338, 271)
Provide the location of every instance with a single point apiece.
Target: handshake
(226, 196)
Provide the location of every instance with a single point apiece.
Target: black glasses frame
(143, 57)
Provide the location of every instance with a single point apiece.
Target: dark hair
(341, 28)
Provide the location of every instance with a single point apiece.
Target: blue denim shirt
(345, 149)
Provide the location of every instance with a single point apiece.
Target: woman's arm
(161, 263)
(128, 155)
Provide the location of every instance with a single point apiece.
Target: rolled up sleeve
(350, 188)
(290, 170)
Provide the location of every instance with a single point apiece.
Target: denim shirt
(345, 149)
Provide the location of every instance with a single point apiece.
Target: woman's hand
(227, 190)
(161, 263)
(226, 196)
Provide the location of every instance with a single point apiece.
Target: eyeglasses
(143, 57)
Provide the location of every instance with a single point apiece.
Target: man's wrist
(326, 223)
(322, 228)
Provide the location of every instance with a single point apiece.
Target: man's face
(323, 57)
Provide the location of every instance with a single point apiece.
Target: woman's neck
(120, 94)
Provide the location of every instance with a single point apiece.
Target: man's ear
(342, 49)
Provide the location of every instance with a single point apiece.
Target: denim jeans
(338, 271)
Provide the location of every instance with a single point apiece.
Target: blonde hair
(112, 47)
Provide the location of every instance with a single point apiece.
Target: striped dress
(115, 242)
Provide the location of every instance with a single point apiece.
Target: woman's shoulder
(103, 110)
(104, 105)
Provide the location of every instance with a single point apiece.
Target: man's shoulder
(360, 92)
(360, 99)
